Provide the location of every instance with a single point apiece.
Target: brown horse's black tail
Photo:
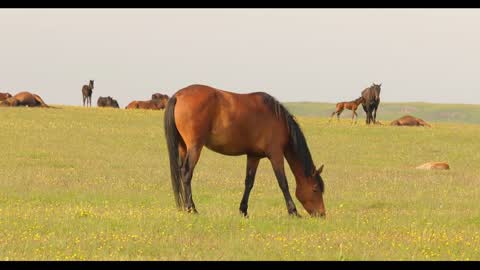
(173, 140)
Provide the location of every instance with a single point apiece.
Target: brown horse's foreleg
(369, 114)
(83, 101)
(191, 159)
(252, 165)
(278, 168)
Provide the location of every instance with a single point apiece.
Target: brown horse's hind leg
(278, 168)
(252, 165)
(190, 161)
(331, 116)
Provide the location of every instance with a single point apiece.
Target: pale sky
(329, 55)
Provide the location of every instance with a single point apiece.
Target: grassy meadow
(388, 111)
(94, 184)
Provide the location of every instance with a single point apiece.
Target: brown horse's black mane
(297, 139)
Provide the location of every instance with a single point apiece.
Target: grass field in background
(455, 113)
(94, 184)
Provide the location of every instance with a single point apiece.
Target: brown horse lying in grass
(24, 99)
(154, 104)
(434, 165)
(159, 96)
(4, 96)
(255, 125)
(409, 120)
(349, 105)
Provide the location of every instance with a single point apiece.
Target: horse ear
(319, 170)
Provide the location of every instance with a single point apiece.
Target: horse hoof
(192, 210)
(244, 214)
(295, 214)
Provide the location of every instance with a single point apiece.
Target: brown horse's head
(11, 101)
(310, 193)
(4, 96)
(160, 100)
(164, 101)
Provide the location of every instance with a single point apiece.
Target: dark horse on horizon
(87, 93)
(253, 124)
(371, 100)
(107, 102)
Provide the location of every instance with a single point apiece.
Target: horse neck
(296, 166)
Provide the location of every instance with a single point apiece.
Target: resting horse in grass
(4, 96)
(409, 120)
(349, 105)
(153, 104)
(24, 99)
(255, 125)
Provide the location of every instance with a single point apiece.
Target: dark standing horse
(87, 93)
(371, 100)
(253, 124)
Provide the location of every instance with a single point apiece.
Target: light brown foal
(350, 105)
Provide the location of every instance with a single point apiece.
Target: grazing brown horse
(154, 104)
(371, 100)
(349, 105)
(24, 99)
(255, 125)
(4, 96)
(87, 93)
(409, 120)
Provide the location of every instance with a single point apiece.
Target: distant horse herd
(157, 102)
(253, 124)
(370, 99)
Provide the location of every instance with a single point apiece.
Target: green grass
(456, 113)
(93, 184)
